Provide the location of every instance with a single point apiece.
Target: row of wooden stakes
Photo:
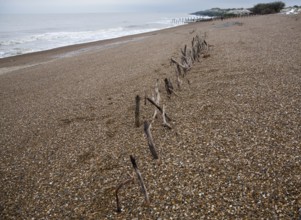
(189, 56)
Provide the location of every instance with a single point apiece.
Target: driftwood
(197, 44)
(184, 51)
(156, 98)
(184, 65)
(137, 111)
(178, 75)
(189, 59)
(173, 91)
(184, 62)
(196, 48)
(168, 87)
(145, 95)
(206, 45)
(179, 70)
(155, 113)
(158, 107)
(149, 137)
(185, 68)
(140, 179)
(199, 47)
(130, 180)
(194, 54)
(157, 93)
(165, 123)
(179, 82)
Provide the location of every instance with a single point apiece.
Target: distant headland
(258, 9)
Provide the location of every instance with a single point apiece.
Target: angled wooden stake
(181, 65)
(156, 98)
(189, 60)
(179, 82)
(130, 180)
(184, 51)
(140, 179)
(179, 70)
(178, 75)
(169, 87)
(149, 137)
(165, 124)
(158, 107)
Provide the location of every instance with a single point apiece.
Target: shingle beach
(234, 151)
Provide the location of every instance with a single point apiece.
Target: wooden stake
(157, 93)
(178, 74)
(189, 59)
(140, 179)
(137, 111)
(196, 48)
(184, 51)
(158, 107)
(157, 97)
(151, 145)
(173, 91)
(179, 70)
(181, 65)
(145, 95)
(165, 124)
(169, 87)
(179, 82)
(184, 61)
(130, 180)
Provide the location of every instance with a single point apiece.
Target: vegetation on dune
(268, 8)
(261, 8)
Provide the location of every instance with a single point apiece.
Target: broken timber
(158, 107)
(149, 137)
(140, 179)
(137, 111)
(156, 98)
(165, 123)
(130, 180)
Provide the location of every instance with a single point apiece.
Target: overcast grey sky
(91, 6)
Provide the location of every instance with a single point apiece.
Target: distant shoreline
(34, 33)
(35, 58)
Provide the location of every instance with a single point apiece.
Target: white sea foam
(39, 42)
(27, 34)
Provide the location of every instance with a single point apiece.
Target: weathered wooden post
(137, 111)
(165, 123)
(184, 67)
(178, 74)
(169, 87)
(149, 137)
(140, 179)
(184, 51)
(157, 97)
(158, 107)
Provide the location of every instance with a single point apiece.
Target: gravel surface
(67, 126)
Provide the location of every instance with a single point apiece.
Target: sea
(27, 33)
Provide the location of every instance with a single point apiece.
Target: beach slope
(67, 126)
